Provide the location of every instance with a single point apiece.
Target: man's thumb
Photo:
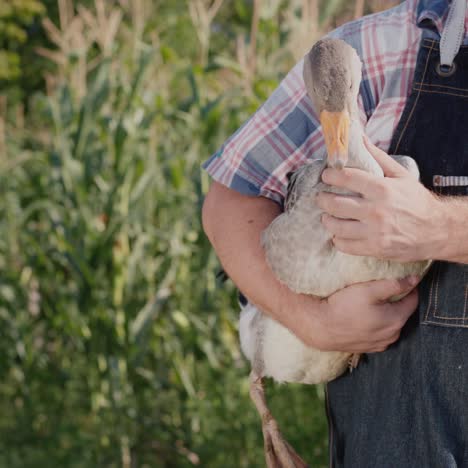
(384, 290)
(389, 166)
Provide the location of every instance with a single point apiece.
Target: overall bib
(408, 406)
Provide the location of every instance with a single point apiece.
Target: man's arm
(455, 212)
(355, 319)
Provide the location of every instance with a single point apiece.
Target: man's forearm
(234, 223)
(455, 248)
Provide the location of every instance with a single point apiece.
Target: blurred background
(118, 347)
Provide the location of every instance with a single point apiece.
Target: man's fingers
(406, 306)
(380, 345)
(343, 228)
(390, 167)
(351, 246)
(384, 290)
(342, 206)
(354, 180)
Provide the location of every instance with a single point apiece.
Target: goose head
(332, 76)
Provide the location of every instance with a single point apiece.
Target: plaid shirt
(285, 132)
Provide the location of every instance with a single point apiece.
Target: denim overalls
(408, 406)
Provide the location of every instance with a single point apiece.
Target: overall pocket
(444, 295)
(444, 291)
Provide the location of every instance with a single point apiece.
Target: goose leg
(278, 453)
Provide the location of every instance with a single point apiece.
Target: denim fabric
(408, 406)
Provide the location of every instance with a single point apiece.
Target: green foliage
(118, 343)
(118, 347)
(15, 17)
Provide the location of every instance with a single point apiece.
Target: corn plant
(119, 347)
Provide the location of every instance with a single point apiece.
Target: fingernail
(324, 174)
(413, 280)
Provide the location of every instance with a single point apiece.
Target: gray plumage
(333, 90)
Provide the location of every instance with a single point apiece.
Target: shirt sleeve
(280, 137)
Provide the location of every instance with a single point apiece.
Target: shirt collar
(431, 14)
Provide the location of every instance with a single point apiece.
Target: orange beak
(335, 127)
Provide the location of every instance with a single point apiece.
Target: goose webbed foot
(278, 453)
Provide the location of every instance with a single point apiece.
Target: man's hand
(395, 218)
(359, 318)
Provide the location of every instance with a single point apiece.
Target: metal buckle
(446, 70)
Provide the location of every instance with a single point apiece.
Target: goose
(299, 250)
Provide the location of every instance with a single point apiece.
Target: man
(405, 407)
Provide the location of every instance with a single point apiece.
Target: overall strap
(452, 35)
